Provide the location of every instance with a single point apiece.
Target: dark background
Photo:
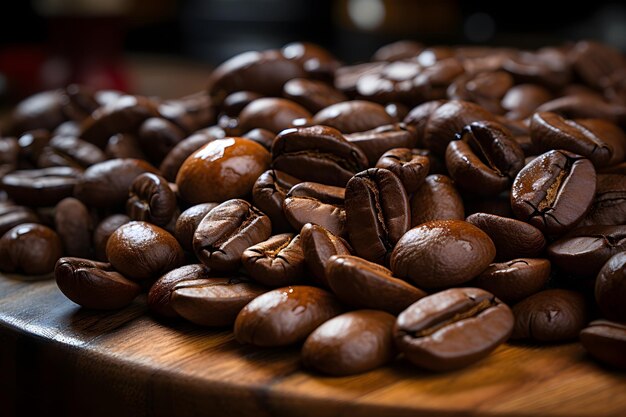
(55, 42)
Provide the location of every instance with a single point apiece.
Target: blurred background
(168, 47)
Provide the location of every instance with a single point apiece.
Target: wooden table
(58, 359)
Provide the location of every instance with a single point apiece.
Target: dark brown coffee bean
(332, 347)
(550, 316)
(584, 250)
(159, 296)
(9, 155)
(418, 117)
(235, 102)
(453, 328)
(317, 153)
(312, 95)
(611, 134)
(609, 204)
(106, 184)
(353, 116)
(408, 165)
(547, 66)
(554, 191)
(316, 61)
(213, 301)
(142, 251)
(398, 50)
(584, 106)
(595, 62)
(32, 144)
(377, 213)
(263, 137)
(71, 152)
(124, 145)
(157, 137)
(363, 284)
(273, 114)
(436, 199)
(513, 238)
(442, 253)
(346, 77)
(12, 215)
(42, 110)
(485, 89)
(397, 110)
(104, 230)
(74, 225)
(310, 202)
(514, 280)
(276, 262)
(521, 100)
(434, 81)
(30, 249)
(606, 342)
(188, 222)
(227, 231)
(610, 289)
(151, 199)
(93, 284)
(191, 112)
(395, 82)
(268, 194)
(374, 143)
(40, 187)
(318, 246)
(285, 315)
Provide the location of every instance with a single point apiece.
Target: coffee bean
(268, 194)
(374, 143)
(124, 145)
(453, 328)
(273, 114)
(485, 89)
(12, 215)
(30, 249)
(611, 134)
(159, 296)
(32, 144)
(316, 61)
(395, 82)
(42, 110)
(93, 284)
(157, 137)
(353, 116)
(408, 165)
(9, 155)
(285, 315)
(74, 225)
(610, 288)
(606, 342)
(71, 152)
(609, 204)
(594, 62)
(190, 113)
(263, 137)
(346, 77)
(40, 187)
(188, 222)
(549, 67)
(276, 262)
(104, 230)
(312, 95)
(521, 100)
(310, 202)
(398, 50)
(351, 343)
(418, 117)
(514, 280)
(151, 199)
(583, 106)
(318, 246)
(436, 199)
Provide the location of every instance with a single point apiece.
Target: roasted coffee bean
(42, 110)
(151, 199)
(377, 213)
(398, 50)
(310, 202)
(606, 342)
(418, 117)
(71, 152)
(346, 77)
(397, 110)
(74, 225)
(363, 284)
(268, 194)
(30, 249)
(408, 165)
(513, 238)
(227, 231)
(276, 262)
(79, 102)
(610, 289)
(190, 113)
(595, 62)
(40, 187)
(9, 155)
(453, 328)
(235, 102)
(285, 315)
(609, 204)
(584, 250)
(93, 284)
(374, 143)
(159, 296)
(442, 253)
(331, 348)
(106, 184)
(213, 301)
(395, 82)
(157, 137)
(124, 145)
(584, 106)
(312, 95)
(434, 81)
(611, 134)
(521, 100)
(353, 116)
(316, 61)
(485, 159)
(547, 66)
(188, 222)
(554, 315)
(551, 131)
(12, 215)
(104, 230)
(436, 199)
(231, 164)
(263, 137)
(318, 246)
(317, 153)
(514, 280)
(273, 114)
(554, 191)
(32, 143)
(485, 89)
(142, 251)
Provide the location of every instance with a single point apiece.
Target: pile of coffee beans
(430, 204)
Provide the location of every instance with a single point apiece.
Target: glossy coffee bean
(363, 284)
(106, 184)
(142, 251)
(347, 77)
(232, 165)
(317, 62)
(12, 215)
(276, 262)
(263, 137)
(435, 80)
(104, 230)
(285, 316)
(318, 154)
(74, 225)
(609, 204)
(453, 328)
(418, 117)
(395, 82)
(377, 213)
(213, 301)
(318, 246)
(227, 231)
(311, 94)
(70, 151)
(124, 145)
(583, 106)
(520, 101)
(594, 62)
(159, 296)
(442, 253)
(188, 222)
(30, 249)
(93, 284)
(375, 142)
(611, 134)
(485, 88)
(408, 165)
(157, 137)
(550, 316)
(273, 114)
(190, 112)
(268, 194)
(310, 202)
(353, 116)
(610, 288)
(436, 199)
(554, 191)
(548, 66)
(40, 187)
(41, 110)
(235, 102)
(151, 199)
(513, 238)
(351, 343)
(605, 341)
(32, 144)
(514, 280)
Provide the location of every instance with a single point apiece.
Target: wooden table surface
(58, 359)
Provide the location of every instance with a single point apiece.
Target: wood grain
(58, 359)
